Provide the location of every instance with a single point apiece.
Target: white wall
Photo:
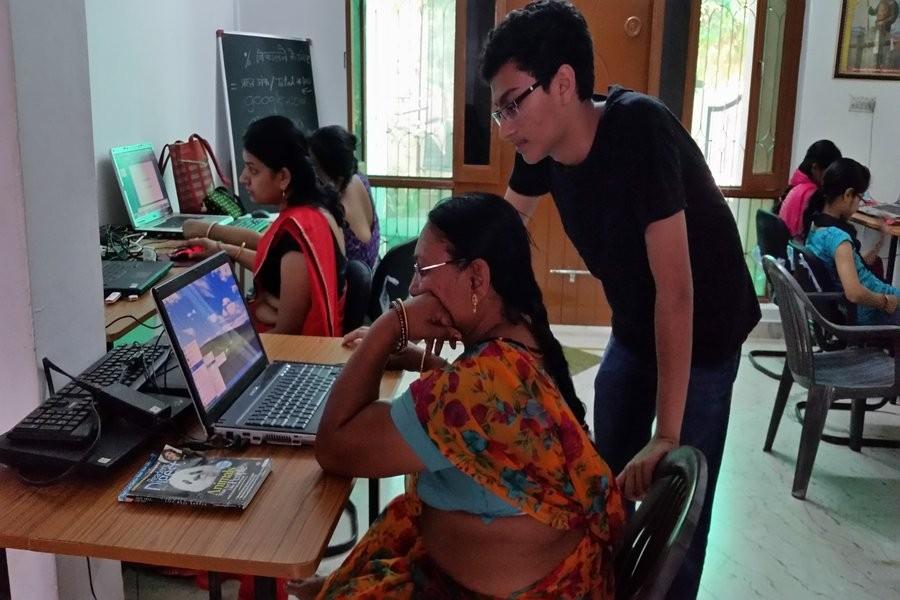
(323, 22)
(823, 102)
(153, 78)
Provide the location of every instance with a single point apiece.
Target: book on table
(178, 476)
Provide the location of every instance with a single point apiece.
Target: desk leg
(374, 499)
(215, 586)
(892, 257)
(265, 588)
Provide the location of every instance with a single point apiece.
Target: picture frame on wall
(869, 40)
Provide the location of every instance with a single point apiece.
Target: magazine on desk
(185, 477)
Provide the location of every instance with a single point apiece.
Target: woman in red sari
(507, 496)
(299, 262)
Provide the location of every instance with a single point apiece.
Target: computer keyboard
(294, 397)
(65, 417)
(173, 222)
(252, 223)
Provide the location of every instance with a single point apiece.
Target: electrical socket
(863, 104)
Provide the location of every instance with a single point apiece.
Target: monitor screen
(141, 183)
(212, 328)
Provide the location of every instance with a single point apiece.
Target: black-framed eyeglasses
(419, 271)
(511, 109)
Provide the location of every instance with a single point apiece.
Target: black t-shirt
(644, 167)
(270, 273)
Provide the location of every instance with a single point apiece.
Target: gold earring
(474, 304)
(282, 195)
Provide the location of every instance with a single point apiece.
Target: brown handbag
(190, 167)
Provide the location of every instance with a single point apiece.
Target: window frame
(771, 184)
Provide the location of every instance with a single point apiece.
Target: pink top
(795, 202)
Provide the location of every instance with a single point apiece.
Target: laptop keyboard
(64, 417)
(295, 396)
(173, 222)
(252, 223)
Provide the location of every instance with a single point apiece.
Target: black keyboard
(252, 223)
(294, 397)
(65, 417)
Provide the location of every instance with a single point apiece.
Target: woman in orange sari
(299, 262)
(507, 496)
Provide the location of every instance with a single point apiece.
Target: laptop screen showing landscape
(141, 183)
(210, 324)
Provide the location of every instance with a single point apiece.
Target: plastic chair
(660, 532)
(855, 373)
(392, 277)
(359, 287)
(772, 235)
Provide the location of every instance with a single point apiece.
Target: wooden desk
(141, 309)
(282, 533)
(894, 230)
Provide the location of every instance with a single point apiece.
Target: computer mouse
(260, 214)
(186, 252)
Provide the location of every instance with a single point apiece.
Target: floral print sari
(497, 416)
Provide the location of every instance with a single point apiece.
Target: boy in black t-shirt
(640, 205)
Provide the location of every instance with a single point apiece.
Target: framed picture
(869, 40)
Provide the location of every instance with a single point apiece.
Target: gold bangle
(241, 249)
(209, 229)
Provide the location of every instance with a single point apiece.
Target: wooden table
(282, 533)
(894, 230)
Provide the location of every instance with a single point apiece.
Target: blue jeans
(624, 408)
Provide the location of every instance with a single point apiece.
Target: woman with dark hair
(507, 495)
(804, 182)
(833, 239)
(299, 263)
(333, 149)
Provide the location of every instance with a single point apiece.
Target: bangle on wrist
(209, 229)
(400, 311)
(884, 302)
(240, 250)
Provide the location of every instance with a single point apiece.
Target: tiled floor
(842, 542)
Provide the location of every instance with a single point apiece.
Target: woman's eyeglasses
(511, 110)
(419, 271)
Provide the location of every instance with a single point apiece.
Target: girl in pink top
(804, 182)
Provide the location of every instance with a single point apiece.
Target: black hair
(821, 153)
(276, 142)
(502, 241)
(334, 149)
(843, 174)
(539, 39)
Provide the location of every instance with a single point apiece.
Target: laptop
(236, 390)
(132, 276)
(144, 193)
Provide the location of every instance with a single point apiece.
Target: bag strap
(165, 152)
(212, 156)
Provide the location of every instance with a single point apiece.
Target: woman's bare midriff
(265, 308)
(495, 558)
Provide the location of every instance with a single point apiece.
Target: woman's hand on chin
(428, 319)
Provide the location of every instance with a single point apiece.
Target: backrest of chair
(359, 286)
(797, 314)
(658, 535)
(811, 271)
(772, 234)
(392, 277)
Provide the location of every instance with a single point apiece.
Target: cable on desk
(90, 576)
(133, 318)
(117, 242)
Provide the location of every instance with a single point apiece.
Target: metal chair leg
(215, 585)
(781, 398)
(818, 401)
(857, 416)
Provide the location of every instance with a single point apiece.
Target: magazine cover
(187, 477)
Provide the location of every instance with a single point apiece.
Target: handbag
(190, 167)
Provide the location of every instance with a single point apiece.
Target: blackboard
(264, 75)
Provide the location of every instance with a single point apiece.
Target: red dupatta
(310, 229)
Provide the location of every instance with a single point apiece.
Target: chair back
(392, 277)
(811, 272)
(658, 535)
(797, 317)
(359, 286)
(772, 234)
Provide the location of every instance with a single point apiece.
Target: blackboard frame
(236, 160)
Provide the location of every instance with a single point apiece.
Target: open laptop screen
(209, 324)
(141, 183)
